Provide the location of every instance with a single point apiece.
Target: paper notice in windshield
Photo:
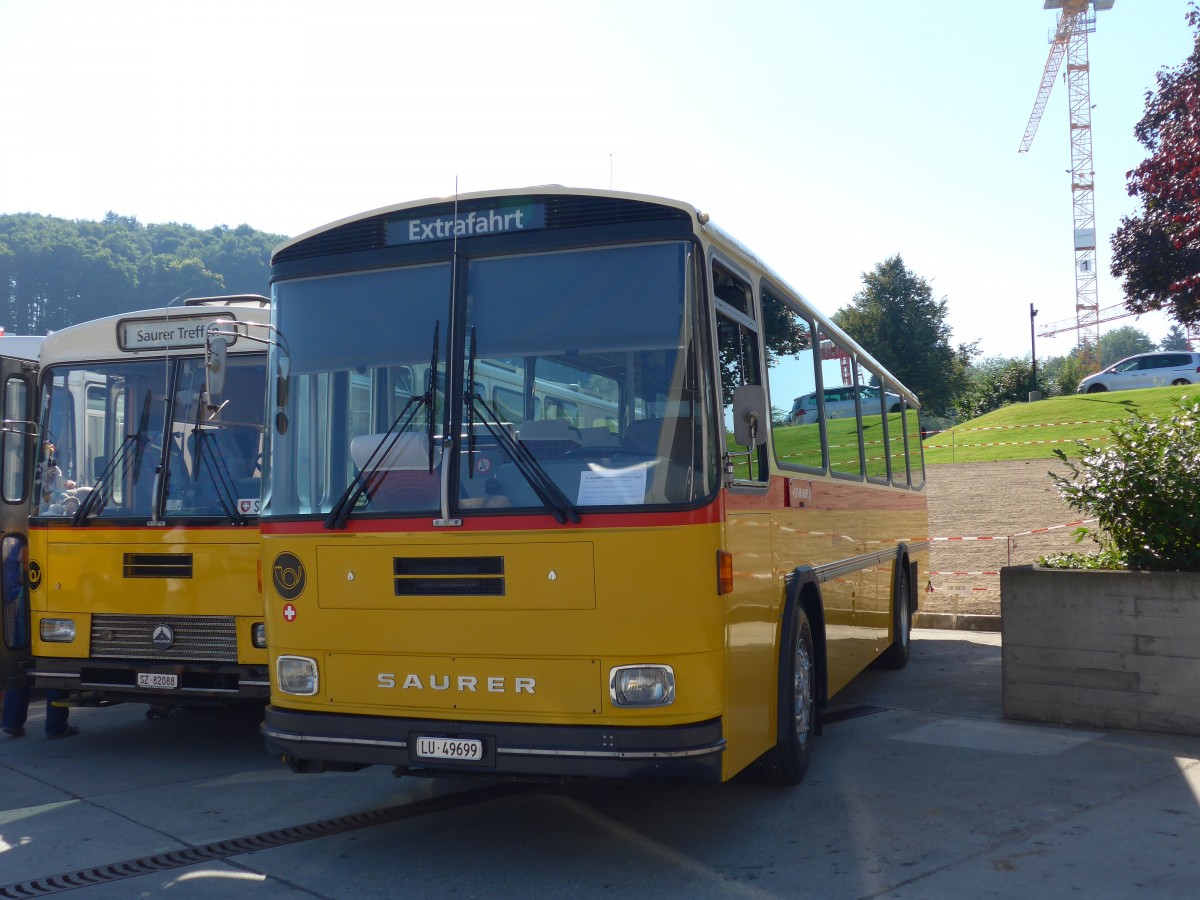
(612, 488)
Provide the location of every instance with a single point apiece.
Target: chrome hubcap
(802, 691)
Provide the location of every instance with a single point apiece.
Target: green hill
(1034, 430)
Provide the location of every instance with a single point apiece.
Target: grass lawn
(1034, 430)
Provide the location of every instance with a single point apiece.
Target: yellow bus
(144, 549)
(18, 393)
(669, 581)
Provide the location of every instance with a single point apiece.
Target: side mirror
(750, 420)
(215, 351)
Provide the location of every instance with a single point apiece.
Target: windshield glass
(586, 389)
(104, 432)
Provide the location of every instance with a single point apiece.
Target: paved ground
(924, 791)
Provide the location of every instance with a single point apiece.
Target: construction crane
(1076, 20)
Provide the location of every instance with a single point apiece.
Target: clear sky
(826, 136)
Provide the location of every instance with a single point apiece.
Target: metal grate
(196, 638)
(158, 565)
(190, 856)
(448, 576)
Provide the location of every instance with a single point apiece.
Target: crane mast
(1076, 21)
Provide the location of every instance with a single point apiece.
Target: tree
(1122, 342)
(56, 272)
(993, 383)
(1157, 254)
(1175, 339)
(896, 318)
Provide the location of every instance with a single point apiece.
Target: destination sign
(477, 222)
(164, 333)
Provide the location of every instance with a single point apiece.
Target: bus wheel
(787, 761)
(896, 656)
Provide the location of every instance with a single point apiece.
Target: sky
(825, 136)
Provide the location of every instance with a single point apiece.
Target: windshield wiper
(215, 465)
(527, 464)
(341, 510)
(136, 440)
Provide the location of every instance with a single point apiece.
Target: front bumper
(311, 741)
(116, 679)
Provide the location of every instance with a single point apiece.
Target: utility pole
(1034, 393)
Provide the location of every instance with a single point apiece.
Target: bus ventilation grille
(194, 638)
(449, 576)
(158, 565)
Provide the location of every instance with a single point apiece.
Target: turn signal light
(724, 572)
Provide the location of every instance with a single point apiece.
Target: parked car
(839, 404)
(1145, 370)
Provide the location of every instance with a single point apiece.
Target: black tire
(1178, 381)
(896, 656)
(788, 760)
(895, 408)
(1097, 389)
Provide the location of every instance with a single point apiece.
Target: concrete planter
(1102, 649)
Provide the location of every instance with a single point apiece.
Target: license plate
(465, 749)
(156, 680)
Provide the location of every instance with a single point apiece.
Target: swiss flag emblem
(289, 612)
(248, 507)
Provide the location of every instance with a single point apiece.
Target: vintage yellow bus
(467, 575)
(18, 393)
(144, 548)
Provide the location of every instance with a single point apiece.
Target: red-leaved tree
(1157, 254)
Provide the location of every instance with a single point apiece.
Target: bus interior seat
(402, 480)
(599, 436)
(549, 438)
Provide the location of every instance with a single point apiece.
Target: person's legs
(16, 709)
(56, 716)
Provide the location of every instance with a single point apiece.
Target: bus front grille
(158, 565)
(449, 576)
(195, 638)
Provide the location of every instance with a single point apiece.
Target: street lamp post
(1034, 393)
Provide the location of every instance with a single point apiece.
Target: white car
(839, 404)
(1145, 370)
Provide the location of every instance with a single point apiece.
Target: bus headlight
(258, 635)
(58, 631)
(297, 675)
(642, 686)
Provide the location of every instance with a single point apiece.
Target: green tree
(1122, 342)
(993, 383)
(56, 272)
(1175, 339)
(1060, 375)
(1157, 253)
(896, 318)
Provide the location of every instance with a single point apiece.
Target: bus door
(751, 673)
(17, 377)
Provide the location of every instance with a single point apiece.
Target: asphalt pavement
(918, 789)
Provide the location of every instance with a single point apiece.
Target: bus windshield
(574, 383)
(114, 447)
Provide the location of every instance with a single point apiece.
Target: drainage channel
(190, 856)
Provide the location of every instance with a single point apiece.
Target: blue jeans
(16, 710)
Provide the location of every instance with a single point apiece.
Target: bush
(1143, 487)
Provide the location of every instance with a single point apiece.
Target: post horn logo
(35, 575)
(287, 574)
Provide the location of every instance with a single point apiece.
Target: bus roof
(153, 333)
(21, 346)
